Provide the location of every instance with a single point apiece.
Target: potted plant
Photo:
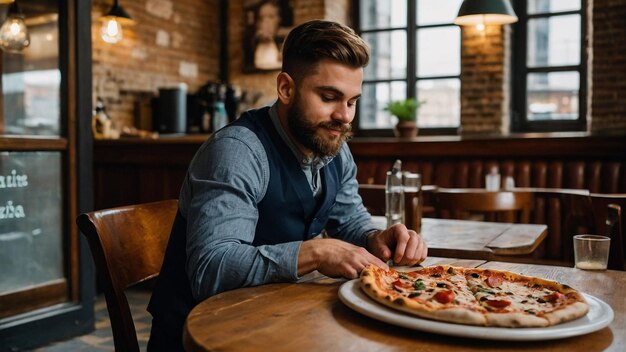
(406, 112)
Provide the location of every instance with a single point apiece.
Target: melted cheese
(523, 298)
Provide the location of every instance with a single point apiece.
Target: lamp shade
(475, 12)
(119, 14)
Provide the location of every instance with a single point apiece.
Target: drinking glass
(591, 252)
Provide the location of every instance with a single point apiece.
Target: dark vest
(288, 212)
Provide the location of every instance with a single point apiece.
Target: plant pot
(406, 129)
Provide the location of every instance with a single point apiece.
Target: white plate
(600, 315)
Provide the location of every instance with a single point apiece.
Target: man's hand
(404, 246)
(335, 258)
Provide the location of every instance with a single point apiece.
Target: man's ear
(286, 87)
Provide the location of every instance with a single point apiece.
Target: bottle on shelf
(220, 117)
(101, 124)
(492, 179)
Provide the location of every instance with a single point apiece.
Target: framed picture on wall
(267, 23)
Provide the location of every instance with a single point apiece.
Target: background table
(309, 316)
(478, 239)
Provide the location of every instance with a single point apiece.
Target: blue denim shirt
(226, 180)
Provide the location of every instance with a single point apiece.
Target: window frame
(411, 78)
(61, 307)
(520, 72)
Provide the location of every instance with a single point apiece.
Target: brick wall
(173, 41)
(608, 69)
(484, 93)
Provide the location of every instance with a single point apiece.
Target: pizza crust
(567, 313)
(516, 320)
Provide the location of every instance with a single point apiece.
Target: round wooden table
(310, 317)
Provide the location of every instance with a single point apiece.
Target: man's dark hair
(316, 40)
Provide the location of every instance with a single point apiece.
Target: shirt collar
(315, 162)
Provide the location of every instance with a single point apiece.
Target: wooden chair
(617, 255)
(479, 204)
(128, 246)
(548, 210)
(594, 213)
(609, 217)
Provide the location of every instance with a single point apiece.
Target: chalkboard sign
(31, 219)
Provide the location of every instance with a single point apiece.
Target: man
(260, 190)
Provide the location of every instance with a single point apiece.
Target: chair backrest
(549, 210)
(617, 257)
(577, 217)
(594, 213)
(610, 217)
(508, 206)
(128, 246)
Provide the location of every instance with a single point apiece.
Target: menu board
(31, 219)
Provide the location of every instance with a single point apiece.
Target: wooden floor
(101, 339)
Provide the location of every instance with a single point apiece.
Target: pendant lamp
(485, 12)
(14, 36)
(112, 23)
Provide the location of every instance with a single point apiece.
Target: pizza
(474, 296)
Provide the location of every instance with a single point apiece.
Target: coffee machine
(212, 106)
(169, 110)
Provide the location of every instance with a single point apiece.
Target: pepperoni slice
(494, 281)
(499, 303)
(444, 297)
(554, 297)
(401, 284)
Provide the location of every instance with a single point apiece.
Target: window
(34, 150)
(46, 277)
(415, 52)
(31, 80)
(549, 73)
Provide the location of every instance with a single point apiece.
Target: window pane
(437, 12)
(382, 14)
(31, 82)
(441, 99)
(31, 218)
(553, 96)
(554, 41)
(439, 51)
(388, 55)
(545, 6)
(372, 104)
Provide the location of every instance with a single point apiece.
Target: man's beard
(305, 132)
